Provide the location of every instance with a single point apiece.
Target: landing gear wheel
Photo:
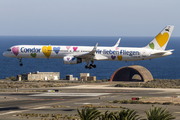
(94, 66)
(90, 67)
(21, 64)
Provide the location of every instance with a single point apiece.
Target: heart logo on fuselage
(15, 50)
(75, 48)
(56, 49)
(33, 55)
(47, 50)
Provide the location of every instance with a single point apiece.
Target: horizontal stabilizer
(159, 53)
(170, 50)
(162, 52)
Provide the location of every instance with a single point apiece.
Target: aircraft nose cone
(5, 54)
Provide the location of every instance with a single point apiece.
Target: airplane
(78, 54)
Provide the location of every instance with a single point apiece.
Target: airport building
(39, 76)
(31, 76)
(71, 78)
(83, 77)
(86, 77)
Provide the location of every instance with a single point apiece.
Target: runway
(70, 94)
(72, 97)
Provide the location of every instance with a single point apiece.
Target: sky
(88, 17)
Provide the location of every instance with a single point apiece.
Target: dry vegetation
(49, 116)
(58, 106)
(10, 82)
(94, 106)
(5, 85)
(156, 83)
(142, 102)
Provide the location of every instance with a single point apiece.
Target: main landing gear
(20, 60)
(91, 65)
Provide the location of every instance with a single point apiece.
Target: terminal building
(39, 76)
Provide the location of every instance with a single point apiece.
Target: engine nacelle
(71, 60)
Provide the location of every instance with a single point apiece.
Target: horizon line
(70, 36)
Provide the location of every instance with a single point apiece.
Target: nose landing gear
(21, 64)
(20, 60)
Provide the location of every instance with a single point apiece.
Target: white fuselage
(102, 53)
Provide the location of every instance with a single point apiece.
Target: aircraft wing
(90, 55)
(100, 57)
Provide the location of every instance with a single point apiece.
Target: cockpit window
(8, 49)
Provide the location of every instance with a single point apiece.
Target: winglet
(94, 49)
(117, 44)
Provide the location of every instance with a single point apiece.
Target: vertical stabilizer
(161, 40)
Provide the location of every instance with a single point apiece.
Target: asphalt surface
(72, 97)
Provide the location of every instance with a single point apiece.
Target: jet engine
(71, 60)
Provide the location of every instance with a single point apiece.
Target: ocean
(161, 68)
